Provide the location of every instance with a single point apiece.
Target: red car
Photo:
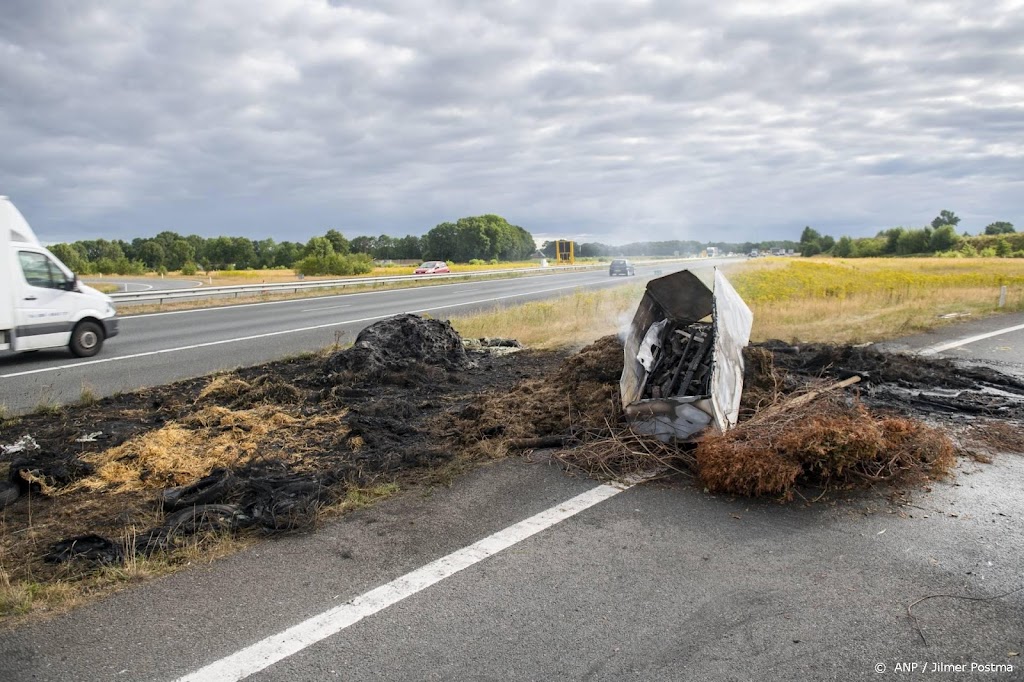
(432, 267)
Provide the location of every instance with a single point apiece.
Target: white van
(42, 303)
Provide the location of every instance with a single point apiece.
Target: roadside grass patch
(860, 300)
(568, 321)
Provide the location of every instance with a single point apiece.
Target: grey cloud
(613, 118)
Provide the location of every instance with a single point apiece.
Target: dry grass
(862, 300)
(569, 321)
(828, 301)
(357, 498)
(620, 453)
(105, 287)
(170, 456)
(182, 452)
(27, 598)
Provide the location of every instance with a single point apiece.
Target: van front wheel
(86, 339)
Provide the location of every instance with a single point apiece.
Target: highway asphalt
(156, 349)
(662, 581)
(996, 341)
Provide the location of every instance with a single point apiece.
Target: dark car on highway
(621, 266)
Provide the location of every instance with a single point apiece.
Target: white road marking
(277, 647)
(329, 307)
(268, 334)
(940, 347)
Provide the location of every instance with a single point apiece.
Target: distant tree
(217, 252)
(1003, 248)
(944, 238)
(72, 256)
(594, 249)
(265, 253)
(198, 245)
(152, 253)
(809, 235)
(318, 247)
(96, 249)
(914, 241)
(338, 241)
(870, 247)
(892, 236)
(843, 248)
(243, 252)
(179, 251)
(810, 248)
(408, 247)
(473, 241)
(827, 243)
(287, 253)
(362, 244)
(504, 241)
(945, 218)
(486, 237)
(999, 227)
(441, 242)
(384, 248)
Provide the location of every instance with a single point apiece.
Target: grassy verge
(573, 320)
(856, 301)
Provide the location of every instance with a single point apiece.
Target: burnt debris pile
(262, 449)
(925, 387)
(405, 347)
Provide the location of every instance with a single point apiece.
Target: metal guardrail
(159, 296)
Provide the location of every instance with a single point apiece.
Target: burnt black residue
(905, 382)
(367, 414)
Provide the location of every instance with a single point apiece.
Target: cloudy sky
(608, 120)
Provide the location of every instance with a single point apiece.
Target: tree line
(666, 248)
(487, 237)
(940, 237)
